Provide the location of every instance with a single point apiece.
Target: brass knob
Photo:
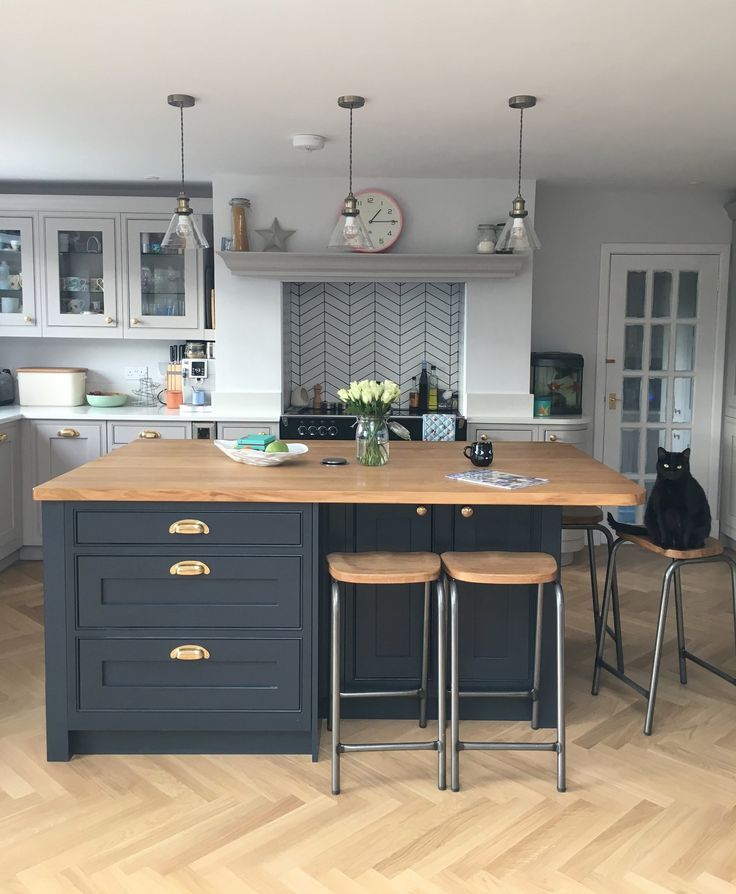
(421, 510)
(189, 526)
(134, 321)
(68, 433)
(190, 652)
(189, 568)
(484, 437)
(3, 437)
(27, 318)
(109, 321)
(466, 511)
(552, 438)
(148, 434)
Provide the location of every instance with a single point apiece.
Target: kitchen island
(186, 595)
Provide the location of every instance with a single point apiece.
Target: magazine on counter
(504, 480)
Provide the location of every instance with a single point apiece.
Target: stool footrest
(710, 667)
(387, 746)
(508, 746)
(625, 678)
(522, 693)
(401, 693)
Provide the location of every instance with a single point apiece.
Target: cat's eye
(679, 467)
(666, 466)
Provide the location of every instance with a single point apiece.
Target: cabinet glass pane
(681, 439)
(657, 400)
(630, 450)
(687, 300)
(162, 277)
(655, 438)
(659, 349)
(633, 346)
(683, 400)
(662, 293)
(636, 287)
(11, 272)
(632, 399)
(81, 283)
(685, 347)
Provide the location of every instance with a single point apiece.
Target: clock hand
(375, 216)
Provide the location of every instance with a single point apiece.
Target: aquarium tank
(559, 377)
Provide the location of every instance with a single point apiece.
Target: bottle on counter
(423, 388)
(432, 393)
(414, 396)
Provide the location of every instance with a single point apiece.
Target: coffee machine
(196, 389)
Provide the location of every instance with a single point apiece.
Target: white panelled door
(662, 383)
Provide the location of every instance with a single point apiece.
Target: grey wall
(573, 222)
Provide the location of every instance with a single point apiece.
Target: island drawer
(139, 675)
(174, 592)
(189, 526)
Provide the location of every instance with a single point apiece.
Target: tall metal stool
(507, 568)
(711, 552)
(590, 519)
(388, 568)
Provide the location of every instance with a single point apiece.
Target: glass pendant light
(183, 231)
(518, 235)
(350, 232)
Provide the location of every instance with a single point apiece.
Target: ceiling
(630, 91)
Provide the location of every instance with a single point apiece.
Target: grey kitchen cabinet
(11, 504)
(120, 433)
(19, 308)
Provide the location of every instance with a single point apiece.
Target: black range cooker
(317, 426)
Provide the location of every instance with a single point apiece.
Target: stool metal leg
(681, 647)
(607, 595)
(732, 565)
(560, 631)
(616, 606)
(593, 579)
(335, 688)
(538, 657)
(669, 573)
(441, 685)
(454, 691)
(425, 661)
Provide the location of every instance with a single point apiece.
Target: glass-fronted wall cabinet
(18, 312)
(82, 270)
(164, 285)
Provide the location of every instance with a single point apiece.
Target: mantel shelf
(357, 267)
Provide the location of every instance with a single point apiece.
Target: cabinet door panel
(18, 288)
(10, 488)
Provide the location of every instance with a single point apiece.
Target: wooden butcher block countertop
(196, 471)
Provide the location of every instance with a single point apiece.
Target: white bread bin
(51, 386)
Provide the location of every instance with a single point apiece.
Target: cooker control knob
(312, 431)
(332, 431)
(302, 431)
(322, 431)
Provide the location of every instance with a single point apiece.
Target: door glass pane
(687, 301)
(81, 284)
(659, 350)
(661, 293)
(655, 438)
(636, 286)
(632, 399)
(633, 346)
(657, 400)
(630, 450)
(683, 400)
(11, 272)
(685, 347)
(162, 277)
(681, 439)
(627, 514)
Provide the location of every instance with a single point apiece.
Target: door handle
(3, 437)
(189, 568)
(67, 433)
(148, 434)
(613, 399)
(189, 652)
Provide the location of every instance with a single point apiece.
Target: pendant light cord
(521, 135)
(350, 153)
(181, 133)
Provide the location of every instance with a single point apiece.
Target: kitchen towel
(438, 427)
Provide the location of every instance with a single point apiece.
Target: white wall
(440, 216)
(573, 222)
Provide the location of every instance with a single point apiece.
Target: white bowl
(259, 457)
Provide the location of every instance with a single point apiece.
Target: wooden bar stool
(507, 568)
(711, 552)
(589, 519)
(388, 568)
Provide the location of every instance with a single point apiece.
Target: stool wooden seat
(384, 567)
(490, 567)
(712, 547)
(582, 515)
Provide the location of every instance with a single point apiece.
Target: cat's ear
(686, 453)
(661, 453)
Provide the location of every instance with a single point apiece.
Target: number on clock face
(381, 216)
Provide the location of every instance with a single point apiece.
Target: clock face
(381, 216)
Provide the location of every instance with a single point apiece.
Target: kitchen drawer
(119, 433)
(236, 591)
(567, 435)
(505, 434)
(221, 527)
(231, 431)
(138, 675)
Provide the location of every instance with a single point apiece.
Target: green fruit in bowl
(277, 447)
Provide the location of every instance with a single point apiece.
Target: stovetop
(316, 425)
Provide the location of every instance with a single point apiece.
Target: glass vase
(371, 441)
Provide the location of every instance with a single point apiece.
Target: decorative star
(275, 236)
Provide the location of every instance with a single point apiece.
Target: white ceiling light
(308, 142)
(518, 235)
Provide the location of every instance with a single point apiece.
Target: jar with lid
(195, 350)
(485, 243)
(239, 215)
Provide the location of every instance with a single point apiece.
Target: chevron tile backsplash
(344, 331)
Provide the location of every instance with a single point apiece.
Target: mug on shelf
(16, 280)
(480, 453)
(79, 305)
(96, 284)
(542, 406)
(94, 245)
(10, 304)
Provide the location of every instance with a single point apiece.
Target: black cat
(677, 514)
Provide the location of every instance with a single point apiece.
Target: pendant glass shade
(183, 231)
(350, 232)
(518, 236)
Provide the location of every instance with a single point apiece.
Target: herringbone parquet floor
(641, 816)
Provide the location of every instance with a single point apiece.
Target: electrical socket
(136, 372)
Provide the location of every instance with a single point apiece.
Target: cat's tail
(621, 528)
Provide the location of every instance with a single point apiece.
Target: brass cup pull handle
(3, 437)
(466, 511)
(552, 438)
(189, 526)
(148, 434)
(421, 510)
(189, 652)
(189, 568)
(67, 433)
